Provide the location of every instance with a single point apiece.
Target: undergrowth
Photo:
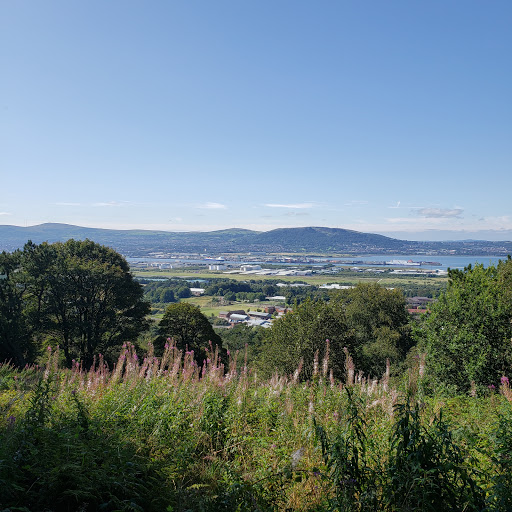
(162, 434)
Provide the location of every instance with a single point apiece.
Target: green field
(210, 308)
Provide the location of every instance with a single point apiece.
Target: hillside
(293, 240)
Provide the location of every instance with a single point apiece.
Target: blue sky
(391, 117)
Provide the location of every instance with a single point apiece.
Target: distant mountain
(292, 240)
(325, 240)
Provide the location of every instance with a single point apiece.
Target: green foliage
(158, 434)
(354, 476)
(371, 321)
(294, 339)
(379, 324)
(15, 335)
(428, 470)
(77, 294)
(190, 330)
(467, 335)
(245, 340)
(500, 498)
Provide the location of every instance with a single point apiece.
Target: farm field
(209, 307)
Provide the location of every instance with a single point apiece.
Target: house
(197, 291)
(259, 323)
(249, 268)
(235, 318)
(217, 266)
(259, 316)
(236, 312)
(419, 301)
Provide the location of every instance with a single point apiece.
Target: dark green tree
(379, 324)
(15, 340)
(83, 297)
(167, 295)
(190, 330)
(184, 292)
(467, 336)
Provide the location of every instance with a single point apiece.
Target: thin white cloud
(296, 214)
(5, 213)
(297, 206)
(440, 213)
(110, 203)
(356, 203)
(212, 206)
(398, 205)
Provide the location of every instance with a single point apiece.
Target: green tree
(379, 324)
(83, 297)
(189, 328)
(245, 340)
(167, 295)
(300, 334)
(15, 341)
(184, 292)
(467, 335)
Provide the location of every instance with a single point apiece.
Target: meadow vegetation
(167, 434)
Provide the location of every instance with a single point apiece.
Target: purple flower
(11, 420)
(492, 386)
(504, 381)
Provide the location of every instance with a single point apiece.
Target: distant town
(272, 266)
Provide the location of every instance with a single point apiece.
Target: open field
(209, 307)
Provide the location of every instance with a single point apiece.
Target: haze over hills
(293, 240)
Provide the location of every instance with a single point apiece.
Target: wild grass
(166, 434)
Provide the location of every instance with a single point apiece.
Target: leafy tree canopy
(15, 342)
(300, 334)
(370, 320)
(189, 328)
(79, 295)
(379, 325)
(467, 336)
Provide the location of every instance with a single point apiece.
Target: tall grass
(166, 434)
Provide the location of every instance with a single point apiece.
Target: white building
(217, 266)
(248, 268)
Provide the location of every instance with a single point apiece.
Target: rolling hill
(292, 240)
